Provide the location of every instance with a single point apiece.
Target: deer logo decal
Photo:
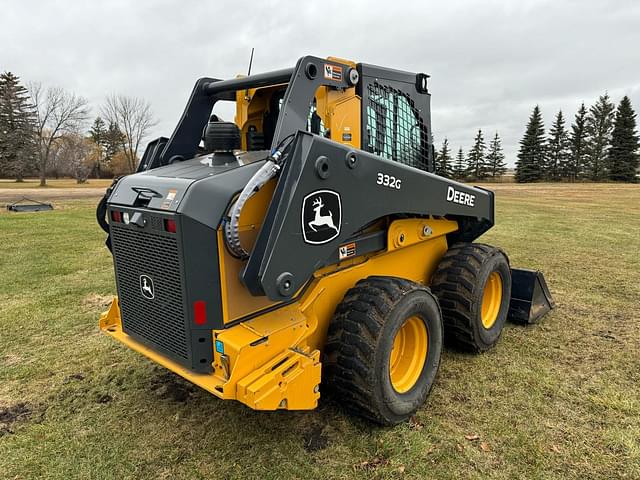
(146, 287)
(321, 216)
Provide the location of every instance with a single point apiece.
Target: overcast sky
(489, 61)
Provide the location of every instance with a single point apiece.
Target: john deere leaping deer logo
(321, 220)
(146, 287)
(321, 216)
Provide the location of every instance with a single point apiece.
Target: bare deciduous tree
(77, 155)
(134, 119)
(58, 112)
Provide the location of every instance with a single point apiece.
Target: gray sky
(489, 61)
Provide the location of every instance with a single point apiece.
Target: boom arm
(368, 187)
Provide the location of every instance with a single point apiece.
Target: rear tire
(473, 285)
(383, 349)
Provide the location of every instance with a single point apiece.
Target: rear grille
(160, 321)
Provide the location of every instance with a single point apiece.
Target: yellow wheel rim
(409, 354)
(491, 300)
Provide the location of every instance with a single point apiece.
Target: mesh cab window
(394, 127)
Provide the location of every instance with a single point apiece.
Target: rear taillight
(199, 312)
(116, 216)
(170, 225)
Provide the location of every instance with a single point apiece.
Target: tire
(466, 281)
(358, 370)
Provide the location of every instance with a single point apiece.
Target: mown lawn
(555, 400)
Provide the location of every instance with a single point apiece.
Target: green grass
(556, 400)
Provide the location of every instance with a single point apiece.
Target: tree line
(45, 132)
(601, 145)
(480, 163)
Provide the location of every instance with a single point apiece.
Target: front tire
(473, 285)
(383, 349)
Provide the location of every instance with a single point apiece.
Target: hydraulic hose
(101, 211)
(232, 227)
(101, 214)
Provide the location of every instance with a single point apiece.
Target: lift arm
(327, 192)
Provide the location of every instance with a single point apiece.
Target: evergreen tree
(599, 126)
(459, 171)
(558, 153)
(477, 163)
(114, 141)
(575, 167)
(623, 154)
(530, 163)
(495, 158)
(17, 128)
(98, 134)
(444, 160)
(98, 131)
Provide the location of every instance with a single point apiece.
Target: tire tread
(352, 341)
(454, 283)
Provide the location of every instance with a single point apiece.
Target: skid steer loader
(308, 246)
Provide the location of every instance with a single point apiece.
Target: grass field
(555, 400)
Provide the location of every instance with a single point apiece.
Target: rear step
(530, 296)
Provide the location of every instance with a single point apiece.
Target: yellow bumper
(276, 373)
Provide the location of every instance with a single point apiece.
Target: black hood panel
(200, 188)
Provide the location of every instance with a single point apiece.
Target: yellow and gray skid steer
(308, 246)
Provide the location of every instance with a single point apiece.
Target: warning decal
(166, 203)
(332, 72)
(346, 251)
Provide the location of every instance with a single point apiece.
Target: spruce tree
(98, 131)
(477, 163)
(444, 160)
(495, 158)
(623, 153)
(530, 163)
(576, 165)
(459, 170)
(599, 126)
(114, 141)
(98, 134)
(558, 153)
(17, 128)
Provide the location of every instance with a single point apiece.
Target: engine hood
(200, 188)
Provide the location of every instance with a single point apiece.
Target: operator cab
(377, 110)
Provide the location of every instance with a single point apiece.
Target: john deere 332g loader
(308, 247)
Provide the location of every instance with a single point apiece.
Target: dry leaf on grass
(375, 462)
(472, 437)
(484, 446)
(415, 423)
